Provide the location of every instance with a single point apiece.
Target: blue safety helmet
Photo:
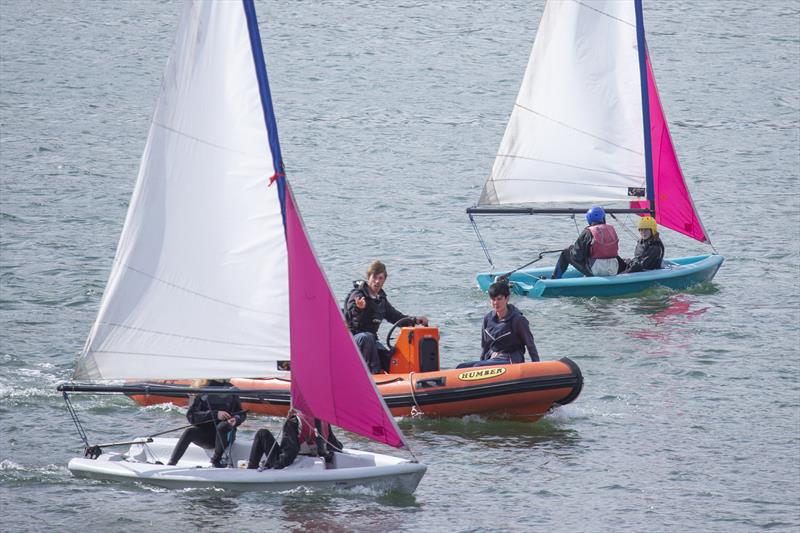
(595, 215)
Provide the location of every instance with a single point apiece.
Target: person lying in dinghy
(649, 252)
(506, 332)
(595, 251)
(365, 307)
(215, 418)
(301, 435)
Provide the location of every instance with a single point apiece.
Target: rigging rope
(625, 227)
(481, 241)
(77, 422)
(541, 256)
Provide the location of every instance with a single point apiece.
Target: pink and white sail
(576, 133)
(214, 276)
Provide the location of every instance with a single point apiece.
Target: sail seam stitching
(597, 185)
(198, 139)
(213, 357)
(179, 336)
(605, 14)
(577, 129)
(513, 156)
(195, 293)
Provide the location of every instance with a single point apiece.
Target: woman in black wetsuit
(215, 418)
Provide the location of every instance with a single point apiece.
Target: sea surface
(390, 114)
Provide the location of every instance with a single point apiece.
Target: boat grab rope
(416, 410)
(481, 241)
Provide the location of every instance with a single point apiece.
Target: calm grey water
(390, 115)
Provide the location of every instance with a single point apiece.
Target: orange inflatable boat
(416, 385)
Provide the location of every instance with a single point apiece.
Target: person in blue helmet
(595, 251)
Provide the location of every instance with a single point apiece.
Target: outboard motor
(416, 350)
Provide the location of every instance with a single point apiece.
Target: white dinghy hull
(349, 469)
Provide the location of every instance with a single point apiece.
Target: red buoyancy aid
(605, 243)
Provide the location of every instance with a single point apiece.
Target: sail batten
(578, 130)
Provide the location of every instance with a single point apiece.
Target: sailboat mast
(648, 147)
(266, 102)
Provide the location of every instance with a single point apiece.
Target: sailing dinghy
(214, 276)
(588, 128)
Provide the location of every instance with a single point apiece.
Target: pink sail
(674, 206)
(329, 377)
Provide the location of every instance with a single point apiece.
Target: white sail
(199, 285)
(575, 134)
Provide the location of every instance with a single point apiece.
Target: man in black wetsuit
(365, 308)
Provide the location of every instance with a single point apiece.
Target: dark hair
(499, 288)
(376, 268)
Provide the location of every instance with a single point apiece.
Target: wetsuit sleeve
(236, 407)
(333, 443)
(650, 259)
(352, 312)
(290, 446)
(392, 314)
(523, 330)
(199, 411)
(579, 252)
(486, 342)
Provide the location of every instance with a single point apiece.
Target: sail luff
(266, 99)
(641, 48)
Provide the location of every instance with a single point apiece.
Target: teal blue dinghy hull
(677, 274)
